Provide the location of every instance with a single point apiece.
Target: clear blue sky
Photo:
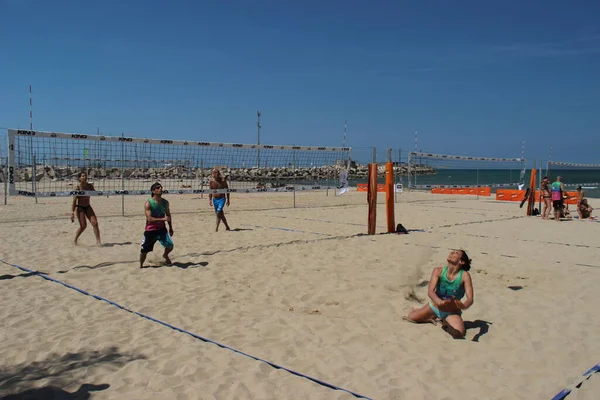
(474, 77)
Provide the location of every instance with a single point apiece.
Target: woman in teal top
(447, 286)
(558, 189)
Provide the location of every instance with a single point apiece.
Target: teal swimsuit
(447, 289)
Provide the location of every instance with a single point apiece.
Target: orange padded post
(531, 199)
(372, 198)
(389, 197)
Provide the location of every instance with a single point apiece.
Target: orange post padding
(364, 187)
(482, 191)
(531, 199)
(389, 197)
(372, 198)
(517, 195)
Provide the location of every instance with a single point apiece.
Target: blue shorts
(442, 314)
(219, 204)
(150, 237)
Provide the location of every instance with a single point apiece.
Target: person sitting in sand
(580, 195)
(158, 214)
(82, 208)
(219, 200)
(447, 286)
(585, 210)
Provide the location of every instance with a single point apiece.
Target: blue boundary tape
(315, 380)
(565, 392)
(287, 229)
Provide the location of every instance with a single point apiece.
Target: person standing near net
(219, 200)
(158, 214)
(546, 196)
(558, 188)
(82, 208)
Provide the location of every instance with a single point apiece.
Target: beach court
(304, 288)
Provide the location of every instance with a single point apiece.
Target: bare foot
(167, 259)
(228, 229)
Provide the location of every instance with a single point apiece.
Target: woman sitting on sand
(447, 286)
(585, 210)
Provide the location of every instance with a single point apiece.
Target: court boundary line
(195, 336)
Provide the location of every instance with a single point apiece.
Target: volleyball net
(574, 175)
(429, 171)
(47, 164)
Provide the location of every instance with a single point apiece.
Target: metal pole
(201, 177)
(34, 178)
(540, 185)
(31, 144)
(123, 176)
(549, 160)
(477, 184)
(5, 176)
(258, 140)
(345, 129)
(399, 179)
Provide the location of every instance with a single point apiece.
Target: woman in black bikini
(83, 208)
(547, 197)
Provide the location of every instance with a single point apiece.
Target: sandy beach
(304, 288)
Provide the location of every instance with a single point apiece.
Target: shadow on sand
(483, 327)
(181, 265)
(17, 381)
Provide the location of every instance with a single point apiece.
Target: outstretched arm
(227, 187)
(468, 290)
(169, 219)
(74, 205)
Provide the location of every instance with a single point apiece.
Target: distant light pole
(258, 139)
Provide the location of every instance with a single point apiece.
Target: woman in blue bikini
(447, 286)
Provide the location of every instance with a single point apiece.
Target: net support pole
(539, 185)
(531, 199)
(372, 198)
(408, 170)
(201, 177)
(4, 178)
(123, 177)
(294, 197)
(389, 196)
(477, 184)
(11, 163)
(399, 173)
(34, 178)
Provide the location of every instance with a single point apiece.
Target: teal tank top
(157, 210)
(446, 289)
(556, 191)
